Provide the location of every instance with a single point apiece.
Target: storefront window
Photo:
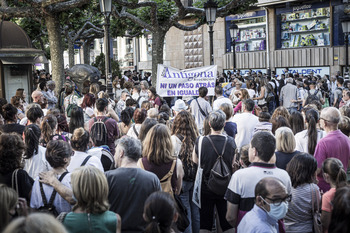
(252, 35)
(305, 27)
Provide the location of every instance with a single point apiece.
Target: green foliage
(165, 9)
(100, 64)
(120, 26)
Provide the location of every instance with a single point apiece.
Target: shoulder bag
(316, 215)
(200, 109)
(14, 180)
(196, 197)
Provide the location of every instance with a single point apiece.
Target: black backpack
(99, 131)
(312, 97)
(49, 207)
(220, 174)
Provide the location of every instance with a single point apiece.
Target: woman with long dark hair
(34, 160)
(334, 174)
(11, 151)
(307, 139)
(183, 136)
(302, 171)
(76, 119)
(154, 98)
(341, 211)
(296, 122)
(159, 213)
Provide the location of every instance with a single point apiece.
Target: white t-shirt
(61, 205)
(302, 140)
(37, 163)
(78, 158)
(246, 123)
(176, 144)
(219, 101)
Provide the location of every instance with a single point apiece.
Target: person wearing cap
(220, 99)
(313, 91)
(179, 106)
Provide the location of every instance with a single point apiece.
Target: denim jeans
(192, 209)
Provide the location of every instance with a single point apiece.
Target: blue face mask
(277, 211)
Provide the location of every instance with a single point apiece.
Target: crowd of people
(265, 154)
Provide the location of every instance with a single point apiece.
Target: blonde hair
(157, 146)
(37, 222)
(90, 188)
(285, 140)
(94, 89)
(8, 200)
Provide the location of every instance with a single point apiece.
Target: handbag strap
(54, 192)
(223, 149)
(85, 160)
(313, 200)
(200, 150)
(200, 109)
(135, 131)
(15, 180)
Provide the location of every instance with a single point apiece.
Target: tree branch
(3, 3)
(62, 5)
(124, 14)
(188, 28)
(222, 11)
(17, 11)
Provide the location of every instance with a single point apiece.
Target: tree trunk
(86, 51)
(157, 53)
(56, 49)
(42, 47)
(70, 53)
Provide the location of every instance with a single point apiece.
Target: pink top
(334, 145)
(327, 198)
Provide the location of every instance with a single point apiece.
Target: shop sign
(305, 70)
(243, 72)
(246, 15)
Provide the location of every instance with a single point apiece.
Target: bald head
(270, 186)
(331, 115)
(36, 96)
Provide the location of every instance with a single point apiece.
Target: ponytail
(32, 135)
(335, 169)
(48, 126)
(153, 227)
(341, 178)
(311, 119)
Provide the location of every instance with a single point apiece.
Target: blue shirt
(257, 221)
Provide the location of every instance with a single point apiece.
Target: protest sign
(175, 82)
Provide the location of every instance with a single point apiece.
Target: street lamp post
(106, 8)
(234, 31)
(210, 8)
(101, 44)
(346, 30)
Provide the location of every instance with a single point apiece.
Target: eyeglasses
(321, 118)
(278, 201)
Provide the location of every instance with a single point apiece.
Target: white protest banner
(175, 82)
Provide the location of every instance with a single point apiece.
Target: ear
(176, 216)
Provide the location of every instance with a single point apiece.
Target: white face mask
(118, 86)
(277, 211)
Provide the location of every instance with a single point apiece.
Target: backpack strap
(170, 173)
(85, 160)
(14, 180)
(53, 195)
(135, 131)
(62, 216)
(223, 149)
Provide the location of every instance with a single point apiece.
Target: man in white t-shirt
(246, 123)
(220, 99)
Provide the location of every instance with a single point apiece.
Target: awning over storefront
(272, 2)
(22, 56)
